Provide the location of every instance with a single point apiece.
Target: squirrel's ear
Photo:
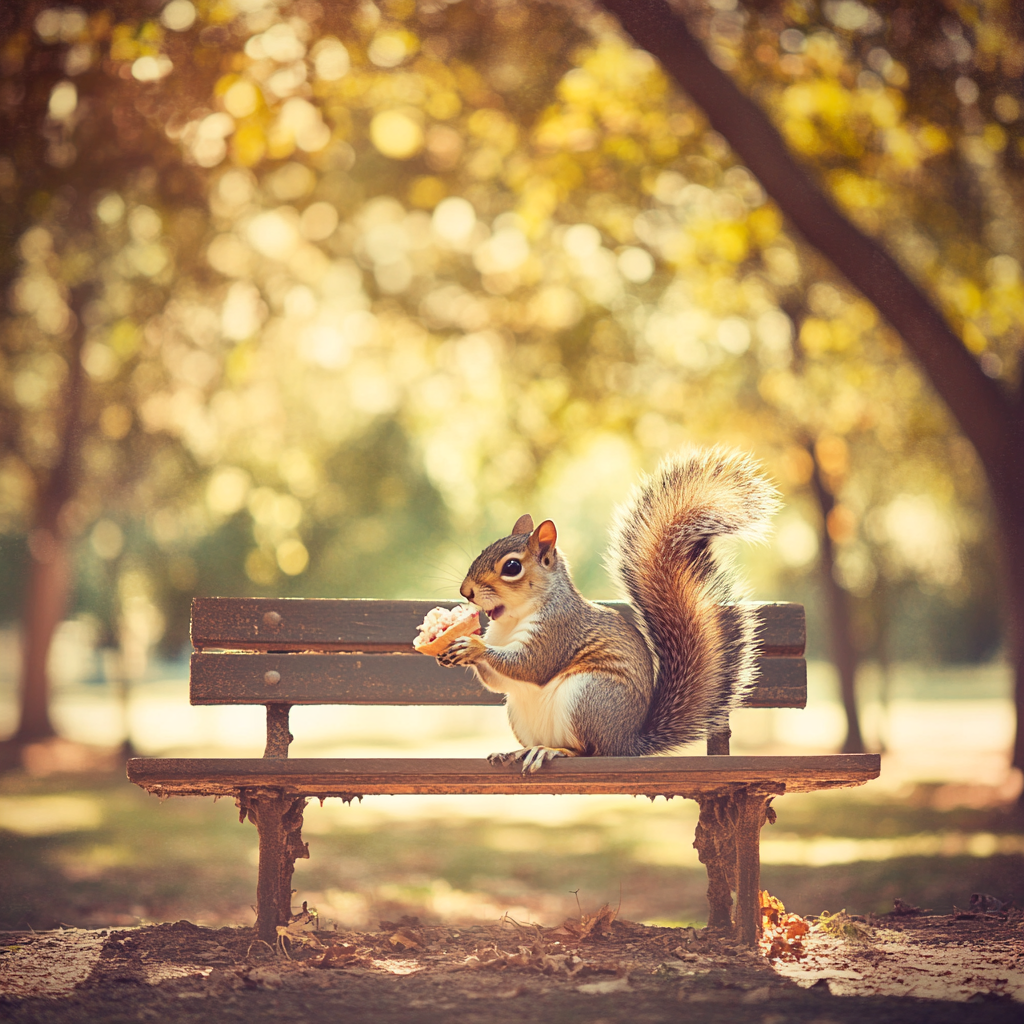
(543, 538)
(524, 524)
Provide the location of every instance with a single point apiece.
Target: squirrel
(580, 679)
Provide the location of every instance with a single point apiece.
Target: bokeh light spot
(330, 59)
(63, 101)
(152, 69)
(241, 99)
(318, 221)
(178, 15)
(396, 134)
(292, 557)
(107, 539)
(636, 265)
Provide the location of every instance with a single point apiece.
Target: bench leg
(278, 821)
(728, 841)
(715, 841)
(753, 811)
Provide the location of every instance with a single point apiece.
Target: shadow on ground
(93, 851)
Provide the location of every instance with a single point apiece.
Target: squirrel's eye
(512, 568)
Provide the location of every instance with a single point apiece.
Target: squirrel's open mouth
(496, 612)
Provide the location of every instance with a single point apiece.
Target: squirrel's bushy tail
(661, 552)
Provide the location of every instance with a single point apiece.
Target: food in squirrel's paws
(444, 625)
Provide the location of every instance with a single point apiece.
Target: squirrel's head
(515, 570)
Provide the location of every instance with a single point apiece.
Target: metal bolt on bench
(312, 651)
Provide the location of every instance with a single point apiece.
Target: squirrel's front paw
(464, 651)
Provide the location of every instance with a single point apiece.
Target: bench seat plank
(232, 678)
(366, 625)
(648, 776)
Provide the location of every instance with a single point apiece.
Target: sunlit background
(352, 286)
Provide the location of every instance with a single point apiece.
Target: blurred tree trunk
(990, 417)
(841, 646)
(49, 583)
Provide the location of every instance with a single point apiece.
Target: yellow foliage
(885, 107)
(663, 146)
(933, 138)
(538, 201)
(964, 295)
(222, 11)
(485, 163)
(861, 315)
(903, 147)
(578, 86)
(803, 137)
(151, 32)
(248, 145)
(224, 83)
(815, 335)
(975, 341)
(124, 338)
(443, 105)
(280, 143)
(493, 126)
(624, 149)
(854, 191)
(123, 44)
(995, 137)
(843, 335)
(397, 134)
(826, 53)
(426, 191)
(831, 102)
(764, 224)
(681, 250)
(730, 242)
(799, 101)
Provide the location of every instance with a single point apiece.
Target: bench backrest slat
(343, 651)
(232, 678)
(371, 626)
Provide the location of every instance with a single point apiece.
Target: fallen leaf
(296, 933)
(597, 925)
(901, 908)
(782, 934)
(341, 956)
(307, 919)
(405, 939)
(841, 925)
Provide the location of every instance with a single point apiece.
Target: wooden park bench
(305, 651)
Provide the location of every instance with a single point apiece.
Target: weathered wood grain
(649, 776)
(296, 624)
(255, 678)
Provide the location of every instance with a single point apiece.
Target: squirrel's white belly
(541, 715)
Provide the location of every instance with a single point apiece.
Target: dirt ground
(591, 970)
(105, 862)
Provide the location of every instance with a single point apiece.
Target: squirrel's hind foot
(533, 758)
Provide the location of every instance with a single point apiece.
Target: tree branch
(977, 402)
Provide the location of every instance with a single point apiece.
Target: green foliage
(366, 281)
(841, 926)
